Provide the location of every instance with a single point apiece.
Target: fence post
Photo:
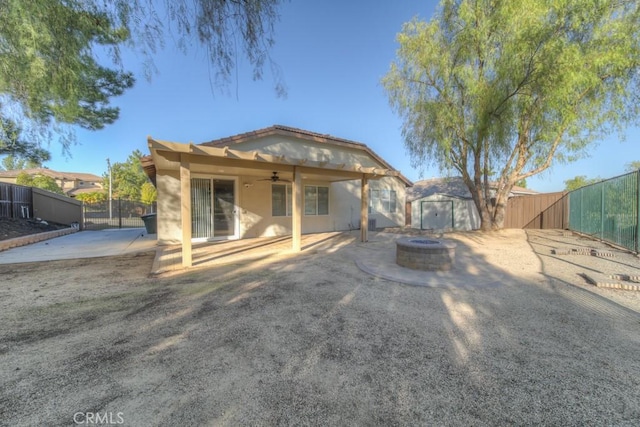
(602, 210)
(581, 209)
(637, 236)
(119, 212)
(11, 198)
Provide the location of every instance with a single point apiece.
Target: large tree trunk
(492, 213)
(478, 196)
(491, 209)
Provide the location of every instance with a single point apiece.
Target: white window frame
(287, 200)
(315, 201)
(382, 200)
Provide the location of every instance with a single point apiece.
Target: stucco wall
(168, 215)
(56, 208)
(465, 214)
(303, 149)
(255, 210)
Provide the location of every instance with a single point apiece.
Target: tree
(632, 166)
(18, 152)
(579, 181)
(10, 163)
(148, 193)
(50, 74)
(522, 183)
(39, 181)
(93, 197)
(53, 53)
(129, 179)
(514, 86)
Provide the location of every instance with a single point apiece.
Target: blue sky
(332, 55)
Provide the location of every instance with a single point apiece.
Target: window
(374, 200)
(316, 200)
(382, 201)
(323, 200)
(280, 200)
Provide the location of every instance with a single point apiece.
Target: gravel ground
(570, 269)
(312, 340)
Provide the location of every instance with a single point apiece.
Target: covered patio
(169, 258)
(185, 161)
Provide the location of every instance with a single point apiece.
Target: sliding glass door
(213, 208)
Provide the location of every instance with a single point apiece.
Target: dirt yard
(312, 340)
(18, 227)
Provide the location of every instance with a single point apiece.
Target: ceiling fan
(274, 178)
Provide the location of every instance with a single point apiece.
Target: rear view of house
(275, 181)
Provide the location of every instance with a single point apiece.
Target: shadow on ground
(311, 339)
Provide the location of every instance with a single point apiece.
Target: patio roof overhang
(169, 155)
(188, 158)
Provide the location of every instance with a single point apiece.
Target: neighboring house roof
(454, 187)
(74, 192)
(67, 176)
(516, 190)
(301, 134)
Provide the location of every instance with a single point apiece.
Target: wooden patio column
(185, 209)
(364, 209)
(296, 207)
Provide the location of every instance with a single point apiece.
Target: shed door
(436, 214)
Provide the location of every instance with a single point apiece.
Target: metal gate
(115, 213)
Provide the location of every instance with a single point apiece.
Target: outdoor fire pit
(425, 254)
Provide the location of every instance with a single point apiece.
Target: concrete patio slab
(84, 244)
(169, 258)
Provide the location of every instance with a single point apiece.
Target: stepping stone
(563, 251)
(626, 277)
(602, 254)
(583, 251)
(613, 281)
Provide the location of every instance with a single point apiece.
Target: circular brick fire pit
(425, 254)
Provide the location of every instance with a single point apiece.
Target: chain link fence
(608, 210)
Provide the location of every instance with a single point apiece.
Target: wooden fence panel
(538, 211)
(15, 201)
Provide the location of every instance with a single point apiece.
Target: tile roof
(454, 187)
(449, 186)
(76, 191)
(68, 176)
(302, 134)
(282, 130)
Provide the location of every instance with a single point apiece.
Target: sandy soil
(570, 269)
(312, 340)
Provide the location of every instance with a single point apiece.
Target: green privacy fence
(608, 210)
